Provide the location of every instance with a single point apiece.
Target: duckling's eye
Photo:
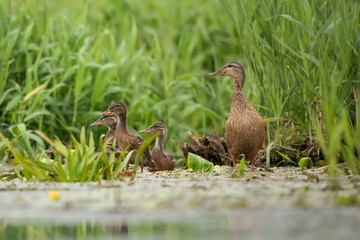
(230, 66)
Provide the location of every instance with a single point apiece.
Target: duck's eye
(230, 66)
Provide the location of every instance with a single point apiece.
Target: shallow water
(264, 205)
(340, 223)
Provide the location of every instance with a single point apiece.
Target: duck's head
(108, 120)
(119, 150)
(53, 149)
(156, 127)
(231, 69)
(118, 109)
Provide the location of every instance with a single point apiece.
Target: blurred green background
(64, 62)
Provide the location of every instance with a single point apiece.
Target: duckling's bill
(145, 131)
(107, 112)
(119, 150)
(97, 123)
(216, 73)
(50, 150)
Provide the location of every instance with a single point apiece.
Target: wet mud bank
(283, 203)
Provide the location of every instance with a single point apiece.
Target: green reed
(64, 63)
(303, 61)
(82, 163)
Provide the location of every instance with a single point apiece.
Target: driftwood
(210, 147)
(213, 148)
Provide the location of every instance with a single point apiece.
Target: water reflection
(246, 224)
(142, 230)
(121, 229)
(82, 230)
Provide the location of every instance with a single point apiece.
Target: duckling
(162, 160)
(244, 130)
(111, 121)
(124, 137)
(53, 149)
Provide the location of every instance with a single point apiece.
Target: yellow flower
(53, 195)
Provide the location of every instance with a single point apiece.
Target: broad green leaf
(199, 164)
(305, 162)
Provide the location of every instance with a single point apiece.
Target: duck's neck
(112, 127)
(123, 124)
(159, 144)
(238, 97)
(110, 134)
(238, 82)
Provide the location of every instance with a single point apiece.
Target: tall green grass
(64, 63)
(67, 62)
(303, 65)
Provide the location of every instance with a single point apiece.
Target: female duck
(244, 130)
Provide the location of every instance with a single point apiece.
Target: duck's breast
(161, 160)
(244, 130)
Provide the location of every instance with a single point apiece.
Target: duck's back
(131, 140)
(134, 142)
(162, 160)
(244, 130)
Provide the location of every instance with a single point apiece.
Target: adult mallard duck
(124, 137)
(162, 160)
(111, 121)
(244, 130)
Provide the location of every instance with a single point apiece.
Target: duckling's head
(119, 150)
(233, 70)
(109, 120)
(53, 149)
(156, 127)
(118, 109)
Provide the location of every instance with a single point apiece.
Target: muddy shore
(183, 197)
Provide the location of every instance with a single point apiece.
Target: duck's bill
(145, 131)
(97, 123)
(50, 150)
(216, 73)
(119, 150)
(107, 112)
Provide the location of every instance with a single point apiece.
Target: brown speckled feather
(126, 138)
(244, 130)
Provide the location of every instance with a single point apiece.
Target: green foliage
(305, 162)
(199, 164)
(274, 144)
(303, 64)
(62, 63)
(239, 169)
(351, 145)
(82, 163)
